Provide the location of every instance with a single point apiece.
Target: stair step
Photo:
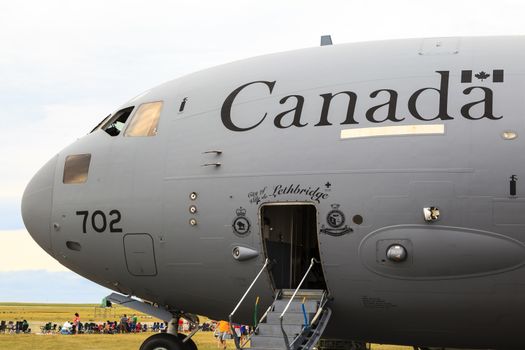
(275, 329)
(303, 293)
(260, 341)
(296, 305)
(289, 318)
(270, 334)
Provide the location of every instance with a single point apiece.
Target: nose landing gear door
(140, 254)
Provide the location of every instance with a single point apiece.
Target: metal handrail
(314, 337)
(313, 261)
(249, 288)
(322, 304)
(244, 296)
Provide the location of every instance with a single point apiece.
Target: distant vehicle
(374, 189)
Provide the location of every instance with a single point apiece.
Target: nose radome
(37, 205)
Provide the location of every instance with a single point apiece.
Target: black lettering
(114, 221)
(513, 182)
(94, 221)
(227, 106)
(327, 100)
(298, 109)
(443, 100)
(392, 103)
(85, 213)
(487, 104)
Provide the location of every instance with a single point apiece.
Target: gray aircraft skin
(398, 164)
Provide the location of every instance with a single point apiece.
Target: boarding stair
(296, 319)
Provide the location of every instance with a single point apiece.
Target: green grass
(39, 314)
(205, 341)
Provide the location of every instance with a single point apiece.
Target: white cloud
(20, 252)
(29, 145)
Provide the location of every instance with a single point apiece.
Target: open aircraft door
(290, 239)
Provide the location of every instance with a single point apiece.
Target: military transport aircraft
(367, 192)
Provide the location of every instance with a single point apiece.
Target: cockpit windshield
(113, 124)
(145, 120)
(99, 125)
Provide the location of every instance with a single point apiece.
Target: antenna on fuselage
(326, 40)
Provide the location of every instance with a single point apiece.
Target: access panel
(140, 254)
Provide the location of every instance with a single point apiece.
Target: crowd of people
(126, 324)
(14, 327)
(222, 329)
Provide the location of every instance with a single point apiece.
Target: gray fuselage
(271, 130)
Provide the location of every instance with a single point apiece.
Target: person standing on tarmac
(224, 331)
(76, 323)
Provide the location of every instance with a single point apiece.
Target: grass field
(59, 313)
(39, 314)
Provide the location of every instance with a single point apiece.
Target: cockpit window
(145, 120)
(113, 125)
(76, 168)
(99, 125)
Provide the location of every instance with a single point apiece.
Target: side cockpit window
(99, 125)
(76, 168)
(115, 123)
(145, 121)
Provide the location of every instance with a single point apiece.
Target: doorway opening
(289, 233)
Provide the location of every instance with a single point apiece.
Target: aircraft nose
(37, 203)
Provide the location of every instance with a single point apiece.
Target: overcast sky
(64, 65)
